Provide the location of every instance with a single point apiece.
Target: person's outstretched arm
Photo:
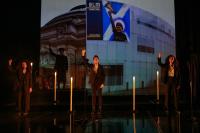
(112, 21)
(51, 52)
(85, 60)
(159, 60)
(110, 11)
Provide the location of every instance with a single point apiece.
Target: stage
(114, 121)
(117, 115)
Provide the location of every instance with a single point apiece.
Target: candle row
(71, 90)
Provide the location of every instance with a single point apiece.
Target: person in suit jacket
(61, 66)
(10, 79)
(24, 88)
(171, 77)
(96, 80)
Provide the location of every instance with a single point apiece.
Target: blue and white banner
(94, 20)
(116, 21)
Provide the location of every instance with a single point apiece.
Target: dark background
(20, 33)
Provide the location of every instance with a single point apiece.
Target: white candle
(134, 123)
(31, 67)
(71, 89)
(70, 123)
(55, 80)
(31, 73)
(157, 85)
(31, 64)
(133, 93)
(54, 121)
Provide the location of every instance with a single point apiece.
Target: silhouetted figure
(24, 88)
(61, 66)
(118, 28)
(172, 80)
(194, 78)
(96, 80)
(11, 78)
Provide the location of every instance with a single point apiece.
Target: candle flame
(157, 72)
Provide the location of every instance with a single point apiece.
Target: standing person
(171, 78)
(24, 88)
(11, 78)
(96, 80)
(61, 66)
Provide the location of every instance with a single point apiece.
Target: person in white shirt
(171, 78)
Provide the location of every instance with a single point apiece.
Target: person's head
(61, 50)
(24, 64)
(95, 59)
(171, 59)
(10, 61)
(119, 27)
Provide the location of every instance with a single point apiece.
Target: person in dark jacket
(11, 76)
(96, 80)
(61, 66)
(24, 88)
(171, 77)
(11, 73)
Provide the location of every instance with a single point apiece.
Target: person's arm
(159, 61)
(110, 11)
(85, 60)
(178, 76)
(51, 52)
(112, 21)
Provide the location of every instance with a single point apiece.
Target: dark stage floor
(108, 122)
(117, 116)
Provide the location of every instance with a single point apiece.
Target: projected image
(116, 21)
(127, 36)
(62, 39)
(108, 21)
(133, 35)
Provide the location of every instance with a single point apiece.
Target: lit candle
(31, 64)
(157, 85)
(133, 93)
(55, 80)
(71, 89)
(31, 76)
